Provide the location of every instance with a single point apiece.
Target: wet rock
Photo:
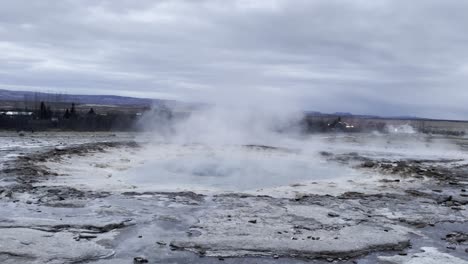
(297, 185)
(457, 238)
(326, 153)
(138, 260)
(300, 196)
(368, 164)
(352, 195)
(428, 255)
(332, 214)
(49, 247)
(224, 242)
(83, 236)
(414, 223)
(389, 180)
(97, 229)
(60, 148)
(186, 197)
(173, 246)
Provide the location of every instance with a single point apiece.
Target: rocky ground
(409, 210)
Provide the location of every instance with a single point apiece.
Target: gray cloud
(374, 57)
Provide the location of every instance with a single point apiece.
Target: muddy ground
(415, 213)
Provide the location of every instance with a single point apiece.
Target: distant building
(15, 113)
(339, 125)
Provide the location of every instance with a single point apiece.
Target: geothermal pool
(229, 168)
(173, 167)
(237, 168)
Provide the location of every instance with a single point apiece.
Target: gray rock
(138, 260)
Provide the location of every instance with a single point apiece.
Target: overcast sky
(361, 56)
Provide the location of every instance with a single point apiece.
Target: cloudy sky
(362, 56)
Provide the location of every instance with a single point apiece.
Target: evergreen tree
(67, 114)
(48, 112)
(43, 111)
(73, 113)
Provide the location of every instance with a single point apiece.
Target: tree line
(45, 112)
(45, 118)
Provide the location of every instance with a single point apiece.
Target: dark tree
(73, 113)
(67, 114)
(43, 111)
(48, 112)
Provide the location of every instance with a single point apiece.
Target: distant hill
(346, 114)
(114, 100)
(7, 95)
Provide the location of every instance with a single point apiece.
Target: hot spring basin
(229, 168)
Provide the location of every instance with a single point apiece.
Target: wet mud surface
(417, 212)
